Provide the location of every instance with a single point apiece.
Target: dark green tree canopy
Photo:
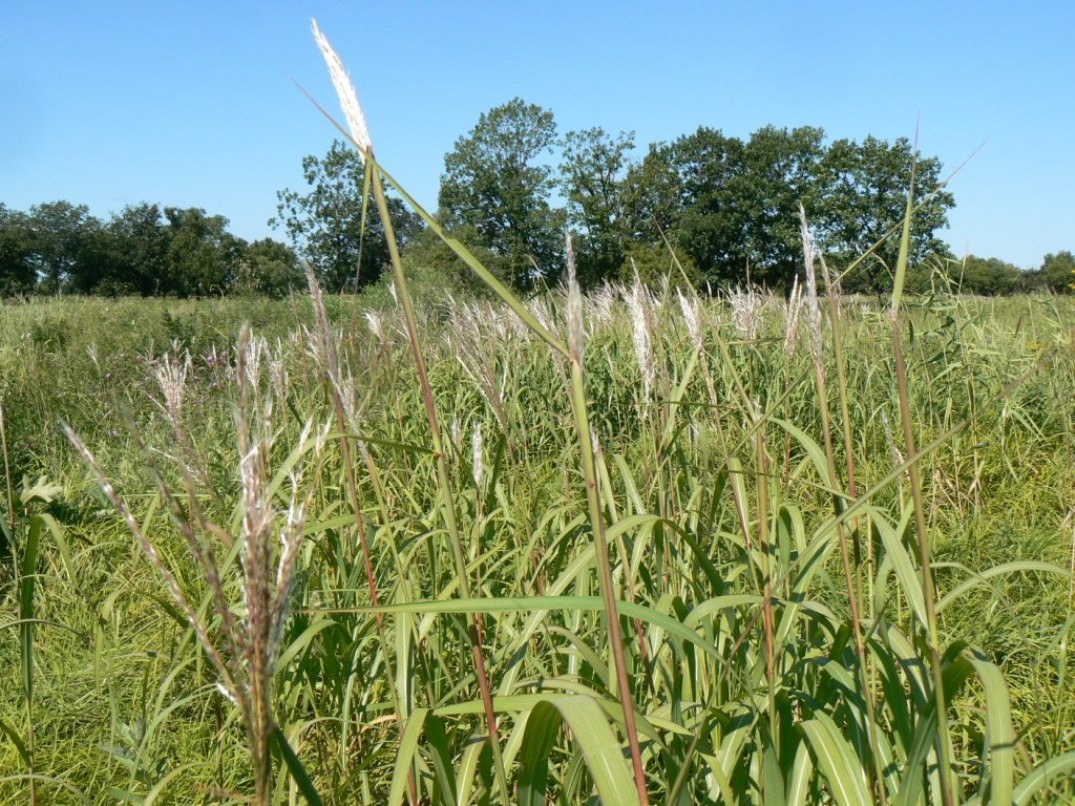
(203, 257)
(59, 231)
(865, 196)
(593, 173)
(17, 275)
(269, 268)
(143, 249)
(327, 225)
(496, 185)
(1058, 271)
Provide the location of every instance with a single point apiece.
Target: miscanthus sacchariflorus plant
(735, 682)
(704, 517)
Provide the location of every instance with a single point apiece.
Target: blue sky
(192, 103)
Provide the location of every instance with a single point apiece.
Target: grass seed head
(794, 315)
(345, 90)
(812, 307)
(638, 304)
(575, 335)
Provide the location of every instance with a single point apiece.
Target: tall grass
(684, 561)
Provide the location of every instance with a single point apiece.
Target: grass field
(289, 477)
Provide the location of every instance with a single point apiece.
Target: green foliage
(985, 276)
(59, 255)
(496, 189)
(657, 263)
(59, 248)
(995, 496)
(865, 197)
(333, 225)
(203, 258)
(269, 268)
(733, 205)
(593, 171)
(17, 274)
(1057, 270)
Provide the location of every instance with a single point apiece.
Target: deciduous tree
(326, 225)
(496, 184)
(593, 172)
(865, 196)
(1058, 270)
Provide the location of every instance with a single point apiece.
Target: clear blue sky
(192, 103)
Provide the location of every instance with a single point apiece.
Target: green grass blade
(408, 747)
(295, 768)
(1042, 776)
(842, 769)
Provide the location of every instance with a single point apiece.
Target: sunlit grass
(637, 546)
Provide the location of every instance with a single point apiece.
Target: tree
(1057, 271)
(986, 276)
(203, 257)
(593, 172)
(494, 184)
(781, 171)
(865, 195)
(691, 189)
(326, 225)
(17, 275)
(58, 236)
(270, 268)
(140, 252)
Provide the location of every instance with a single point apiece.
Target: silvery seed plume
(476, 446)
(812, 307)
(575, 336)
(345, 90)
(638, 305)
(690, 306)
(171, 376)
(601, 304)
(791, 329)
(746, 307)
(373, 320)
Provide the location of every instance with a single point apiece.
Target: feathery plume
(575, 334)
(478, 465)
(794, 308)
(345, 90)
(689, 306)
(638, 304)
(813, 310)
(746, 311)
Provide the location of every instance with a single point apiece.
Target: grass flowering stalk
(936, 669)
(379, 176)
(813, 312)
(443, 480)
(597, 522)
(250, 639)
(361, 140)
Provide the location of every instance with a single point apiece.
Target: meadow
(275, 557)
(640, 546)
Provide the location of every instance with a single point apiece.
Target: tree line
(145, 249)
(713, 209)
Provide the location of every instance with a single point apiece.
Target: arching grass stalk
(361, 140)
(813, 312)
(936, 670)
(597, 522)
(443, 481)
(327, 357)
(558, 346)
